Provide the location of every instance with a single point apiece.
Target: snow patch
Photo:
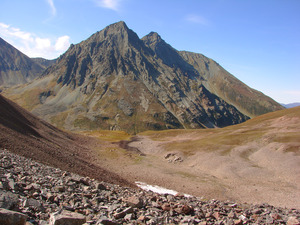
(157, 189)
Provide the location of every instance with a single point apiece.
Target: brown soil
(27, 135)
(261, 170)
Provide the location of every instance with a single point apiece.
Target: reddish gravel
(24, 134)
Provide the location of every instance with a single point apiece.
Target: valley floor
(211, 175)
(254, 163)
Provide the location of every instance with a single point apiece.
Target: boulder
(65, 217)
(30, 202)
(8, 200)
(9, 217)
(134, 201)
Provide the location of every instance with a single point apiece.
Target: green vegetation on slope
(267, 126)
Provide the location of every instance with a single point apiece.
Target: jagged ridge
(114, 80)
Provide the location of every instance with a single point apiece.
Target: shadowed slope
(26, 135)
(15, 67)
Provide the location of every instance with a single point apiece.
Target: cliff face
(114, 80)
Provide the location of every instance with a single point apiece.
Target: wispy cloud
(33, 45)
(109, 4)
(52, 7)
(193, 18)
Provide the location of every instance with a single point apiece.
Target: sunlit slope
(276, 127)
(256, 161)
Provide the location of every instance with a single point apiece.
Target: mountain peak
(118, 25)
(116, 32)
(152, 39)
(153, 36)
(114, 80)
(116, 28)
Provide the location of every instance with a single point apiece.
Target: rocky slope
(15, 67)
(221, 83)
(45, 195)
(114, 80)
(32, 137)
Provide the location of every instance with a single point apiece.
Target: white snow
(157, 189)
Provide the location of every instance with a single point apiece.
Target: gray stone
(123, 213)
(126, 107)
(59, 188)
(30, 202)
(100, 186)
(106, 221)
(134, 201)
(11, 184)
(84, 181)
(8, 200)
(8, 217)
(129, 217)
(66, 218)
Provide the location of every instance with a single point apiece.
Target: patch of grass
(111, 152)
(292, 112)
(59, 119)
(137, 159)
(107, 135)
(221, 139)
(288, 137)
(28, 99)
(166, 134)
(295, 149)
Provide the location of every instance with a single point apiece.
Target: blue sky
(258, 41)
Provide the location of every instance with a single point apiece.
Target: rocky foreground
(32, 193)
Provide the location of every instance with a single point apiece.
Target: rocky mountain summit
(115, 80)
(17, 68)
(39, 194)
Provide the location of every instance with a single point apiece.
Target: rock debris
(33, 193)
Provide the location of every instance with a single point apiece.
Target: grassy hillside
(280, 126)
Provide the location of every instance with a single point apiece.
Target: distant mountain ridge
(17, 68)
(115, 80)
(291, 105)
(44, 62)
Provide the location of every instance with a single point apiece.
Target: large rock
(66, 218)
(8, 217)
(8, 200)
(134, 201)
(32, 203)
